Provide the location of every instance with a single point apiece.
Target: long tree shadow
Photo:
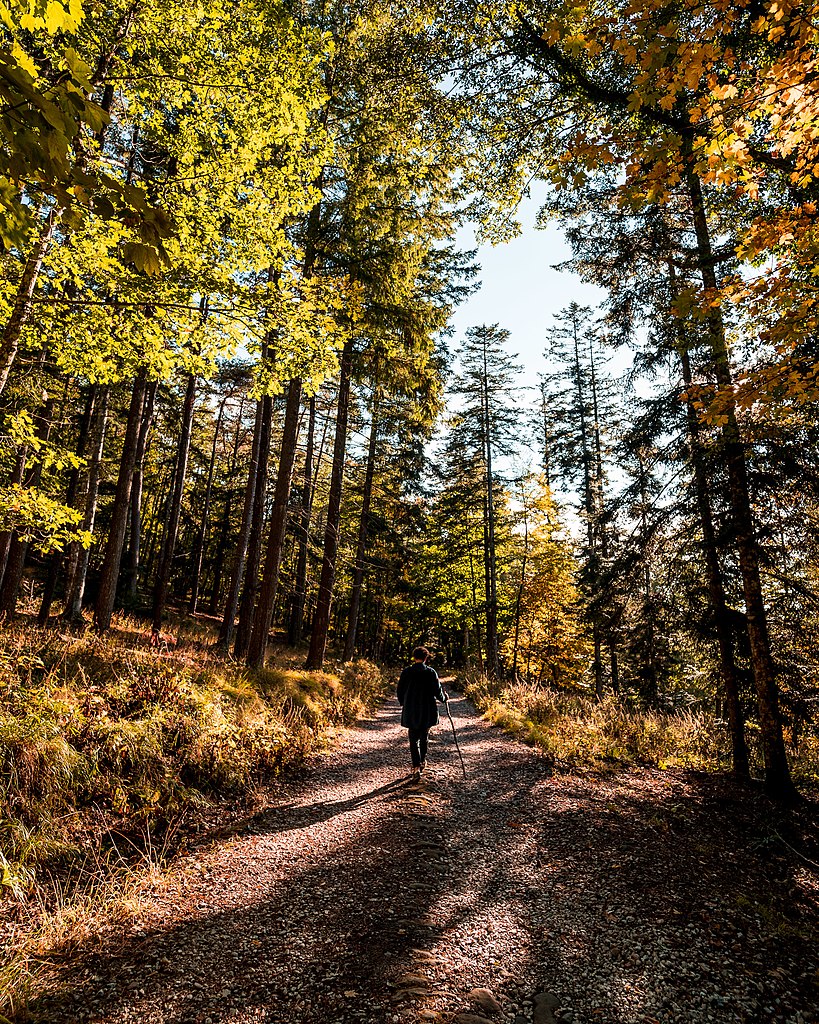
(289, 817)
(645, 889)
(321, 940)
(322, 931)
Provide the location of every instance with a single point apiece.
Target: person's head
(420, 654)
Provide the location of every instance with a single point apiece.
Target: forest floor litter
(520, 895)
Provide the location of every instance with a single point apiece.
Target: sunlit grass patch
(577, 730)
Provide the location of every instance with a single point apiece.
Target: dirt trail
(359, 897)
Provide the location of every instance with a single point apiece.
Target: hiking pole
(455, 737)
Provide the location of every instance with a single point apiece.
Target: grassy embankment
(111, 754)
(576, 730)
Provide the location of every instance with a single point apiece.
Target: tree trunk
(18, 549)
(588, 491)
(6, 536)
(76, 584)
(241, 545)
(474, 582)
(598, 663)
(361, 545)
(199, 543)
(240, 555)
(119, 514)
(321, 619)
(175, 511)
(547, 436)
(713, 569)
(521, 587)
(250, 588)
(153, 520)
(492, 659)
(296, 627)
(135, 545)
(57, 559)
(777, 773)
(21, 310)
(278, 524)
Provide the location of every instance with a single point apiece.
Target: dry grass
(577, 730)
(105, 744)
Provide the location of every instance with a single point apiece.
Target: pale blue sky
(521, 291)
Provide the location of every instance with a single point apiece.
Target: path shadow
(289, 817)
(319, 944)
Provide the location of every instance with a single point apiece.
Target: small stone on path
(545, 1006)
(485, 1000)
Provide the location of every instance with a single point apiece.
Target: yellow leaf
(55, 17)
(30, 23)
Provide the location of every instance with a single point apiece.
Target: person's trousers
(418, 739)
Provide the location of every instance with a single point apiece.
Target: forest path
(359, 897)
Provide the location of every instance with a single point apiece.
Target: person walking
(419, 694)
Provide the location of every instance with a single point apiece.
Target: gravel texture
(514, 895)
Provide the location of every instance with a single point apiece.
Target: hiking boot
(423, 767)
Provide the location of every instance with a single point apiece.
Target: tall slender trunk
(300, 588)
(119, 514)
(713, 569)
(57, 558)
(600, 531)
(6, 535)
(18, 550)
(588, 503)
(777, 773)
(21, 309)
(250, 588)
(309, 599)
(199, 542)
(219, 560)
(363, 527)
(153, 519)
(588, 491)
(598, 446)
(278, 524)
(76, 584)
(242, 543)
(474, 582)
(135, 520)
(321, 619)
(175, 511)
(492, 659)
(547, 436)
(240, 555)
(649, 669)
(521, 587)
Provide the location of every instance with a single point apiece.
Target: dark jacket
(418, 690)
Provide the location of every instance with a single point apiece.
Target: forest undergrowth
(113, 755)
(577, 730)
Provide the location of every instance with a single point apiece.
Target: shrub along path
(517, 894)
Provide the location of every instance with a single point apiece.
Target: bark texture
(119, 515)
(321, 619)
(278, 524)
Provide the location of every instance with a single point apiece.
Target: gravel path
(514, 895)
